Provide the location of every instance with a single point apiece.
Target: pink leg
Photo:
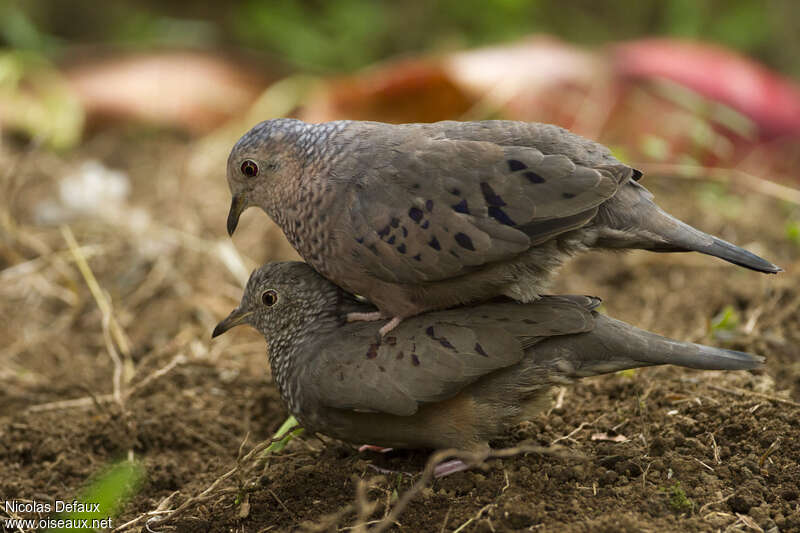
(371, 448)
(449, 467)
(364, 317)
(389, 326)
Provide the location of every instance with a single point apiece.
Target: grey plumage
(426, 216)
(453, 378)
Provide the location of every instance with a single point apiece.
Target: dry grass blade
(110, 325)
(724, 175)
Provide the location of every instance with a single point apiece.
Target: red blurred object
(413, 90)
(769, 100)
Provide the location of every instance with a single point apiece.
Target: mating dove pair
(419, 219)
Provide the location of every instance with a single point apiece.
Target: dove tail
(613, 345)
(680, 237)
(632, 220)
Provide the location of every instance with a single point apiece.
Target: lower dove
(447, 379)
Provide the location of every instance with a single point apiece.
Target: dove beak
(238, 205)
(236, 318)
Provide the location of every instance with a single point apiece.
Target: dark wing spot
(464, 241)
(418, 257)
(381, 368)
(490, 196)
(461, 207)
(455, 191)
(533, 177)
(501, 216)
(391, 341)
(395, 222)
(405, 231)
(372, 352)
(567, 195)
(446, 343)
(385, 231)
(390, 240)
(429, 332)
(401, 248)
(372, 248)
(426, 224)
(637, 174)
(429, 205)
(360, 240)
(480, 350)
(415, 214)
(414, 359)
(434, 243)
(399, 355)
(514, 165)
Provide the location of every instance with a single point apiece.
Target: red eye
(249, 168)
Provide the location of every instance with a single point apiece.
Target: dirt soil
(659, 449)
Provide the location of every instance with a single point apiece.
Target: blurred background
(116, 121)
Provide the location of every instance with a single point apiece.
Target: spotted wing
(432, 357)
(437, 208)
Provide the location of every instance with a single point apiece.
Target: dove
(419, 217)
(454, 378)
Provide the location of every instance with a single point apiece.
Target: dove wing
(434, 208)
(432, 357)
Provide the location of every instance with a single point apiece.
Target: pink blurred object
(771, 101)
(190, 91)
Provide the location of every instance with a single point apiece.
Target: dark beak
(237, 206)
(236, 318)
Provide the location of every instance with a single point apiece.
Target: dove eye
(249, 168)
(269, 297)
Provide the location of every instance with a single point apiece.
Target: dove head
(284, 301)
(267, 165)
(262, 165)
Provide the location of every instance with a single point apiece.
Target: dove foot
(449, 467)
(389, 326)
(364, 317)
(373, 448)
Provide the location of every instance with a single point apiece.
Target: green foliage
(340, 35)
(725, 324)
(793, 232)
(716, 197)
(349, 34)
(110, 490)
(37, 101)
(656, 148)
(678, 499)
(288, 433)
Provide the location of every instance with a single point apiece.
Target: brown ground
(705, 451)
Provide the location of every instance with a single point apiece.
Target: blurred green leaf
(35, 100)
(725, 324)
(286, 432)
(341, 35)
(654, 147)
(793, 232)
(717, 198)
(108, 492)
